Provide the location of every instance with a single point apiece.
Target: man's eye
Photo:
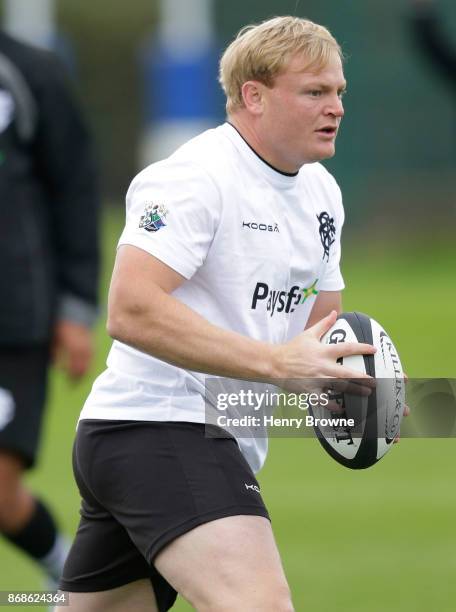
(315, 93)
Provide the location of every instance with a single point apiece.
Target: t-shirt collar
(278, 177)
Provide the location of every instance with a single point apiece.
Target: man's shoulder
(204, 156)
(210, 150)
(323, 185)
(318, 172)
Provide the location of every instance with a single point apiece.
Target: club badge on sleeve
(153, 217)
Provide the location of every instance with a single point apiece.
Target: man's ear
(252, 94)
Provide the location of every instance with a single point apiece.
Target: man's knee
(280, 600)
(14, 500)
(11, 467)
(266, 597)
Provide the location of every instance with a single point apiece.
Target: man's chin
(325, 152)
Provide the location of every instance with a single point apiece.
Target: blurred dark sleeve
(434, 42)
(68, 171)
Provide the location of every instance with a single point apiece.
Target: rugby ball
(363, 428)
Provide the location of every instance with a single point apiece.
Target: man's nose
(336, 108)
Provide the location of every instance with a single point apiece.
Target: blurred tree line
(396, 150)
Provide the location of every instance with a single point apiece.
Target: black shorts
(23, 382)
(143, 484)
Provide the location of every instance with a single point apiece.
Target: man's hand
(72, 348)
(305, 357)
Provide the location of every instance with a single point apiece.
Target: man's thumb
(321, 327)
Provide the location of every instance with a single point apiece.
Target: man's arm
(66, 168)
(326, 302)
(143, 314)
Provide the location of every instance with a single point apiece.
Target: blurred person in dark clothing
(49, 269)
(433, 41)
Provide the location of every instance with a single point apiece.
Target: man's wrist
(273, 366)
(76, 310)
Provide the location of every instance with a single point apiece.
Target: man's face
(302, 113)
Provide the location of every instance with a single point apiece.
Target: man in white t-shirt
(231, 249)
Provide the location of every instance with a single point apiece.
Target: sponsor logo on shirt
(262, 227)
(281, 301)
(153, 217)
(327, 232)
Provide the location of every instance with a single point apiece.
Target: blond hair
(260, 52)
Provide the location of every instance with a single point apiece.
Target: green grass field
(370, 541)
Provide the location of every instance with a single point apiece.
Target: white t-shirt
(255, 246)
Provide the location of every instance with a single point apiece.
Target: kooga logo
(280, 301)
(262, 227)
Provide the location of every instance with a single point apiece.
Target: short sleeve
(332, 279)
(173, 211)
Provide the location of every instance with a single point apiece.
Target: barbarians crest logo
(327, 232)
(153, 217)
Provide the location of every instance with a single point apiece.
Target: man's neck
(249, 134)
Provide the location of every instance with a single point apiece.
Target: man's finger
(352, 387)
(341, 372)
(321, 327)
(346, 349)
(334, 406)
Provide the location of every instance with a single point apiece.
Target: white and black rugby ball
(377, 417)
